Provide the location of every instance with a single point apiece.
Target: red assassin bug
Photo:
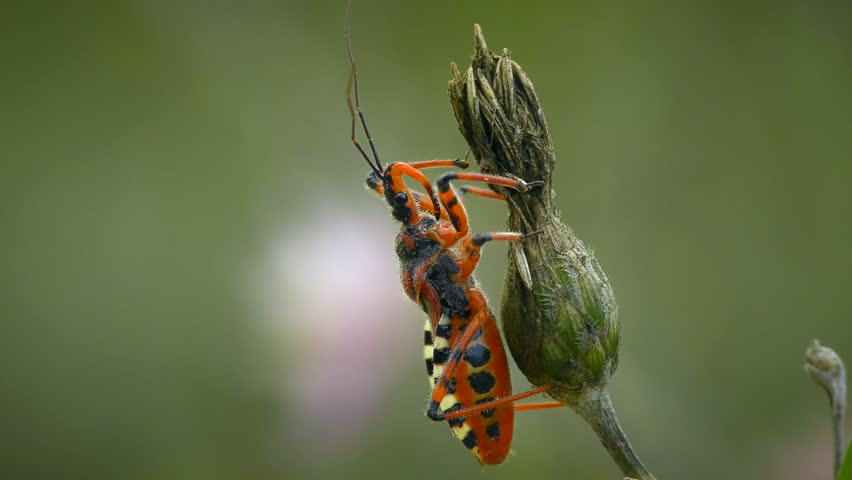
(465, 357)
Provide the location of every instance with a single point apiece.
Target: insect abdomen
(481, 376)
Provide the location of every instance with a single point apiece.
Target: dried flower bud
(559, 313)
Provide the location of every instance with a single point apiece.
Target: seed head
(559, 313)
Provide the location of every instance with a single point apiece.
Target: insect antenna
(353, 86)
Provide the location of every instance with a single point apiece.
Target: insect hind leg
(447, 377)
(481, 192)
(463, 412)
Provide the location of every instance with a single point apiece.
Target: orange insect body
(437, 261)
(465, 358)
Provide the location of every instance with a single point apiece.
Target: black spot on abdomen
(477, 355)
(493, 431)
(481, 382)
(489, 412)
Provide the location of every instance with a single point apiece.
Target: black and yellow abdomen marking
(486, 434)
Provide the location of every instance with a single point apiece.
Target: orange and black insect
(465, 358)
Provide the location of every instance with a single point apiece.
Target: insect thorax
(413, 243)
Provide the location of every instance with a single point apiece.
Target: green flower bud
(565, 329)
(559, 313)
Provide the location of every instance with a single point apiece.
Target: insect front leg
(423, 200)
(452, 203)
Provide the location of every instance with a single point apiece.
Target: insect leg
(426, 201)
(451, 202)
(473, 245)
(458, 163)
(538, 406)
(481, 192)
(422, 199)
(449, 369)
(395, 172)
(503, 401)
(426, 204)
(517, 184)
(440, 389)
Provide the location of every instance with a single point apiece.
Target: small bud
(822, 362)
(826, 369)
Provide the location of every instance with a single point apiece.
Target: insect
(465, 358)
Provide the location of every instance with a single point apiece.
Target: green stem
(598, 411)
(826, 369)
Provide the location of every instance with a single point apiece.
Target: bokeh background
(197, 285)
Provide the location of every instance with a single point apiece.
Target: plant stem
(826, 369)
(600, 414)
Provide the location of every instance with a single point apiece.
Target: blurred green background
(197, 285)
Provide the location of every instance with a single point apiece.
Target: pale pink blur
(331, 291)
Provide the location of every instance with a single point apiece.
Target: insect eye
(400, 198)
(373, 180)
